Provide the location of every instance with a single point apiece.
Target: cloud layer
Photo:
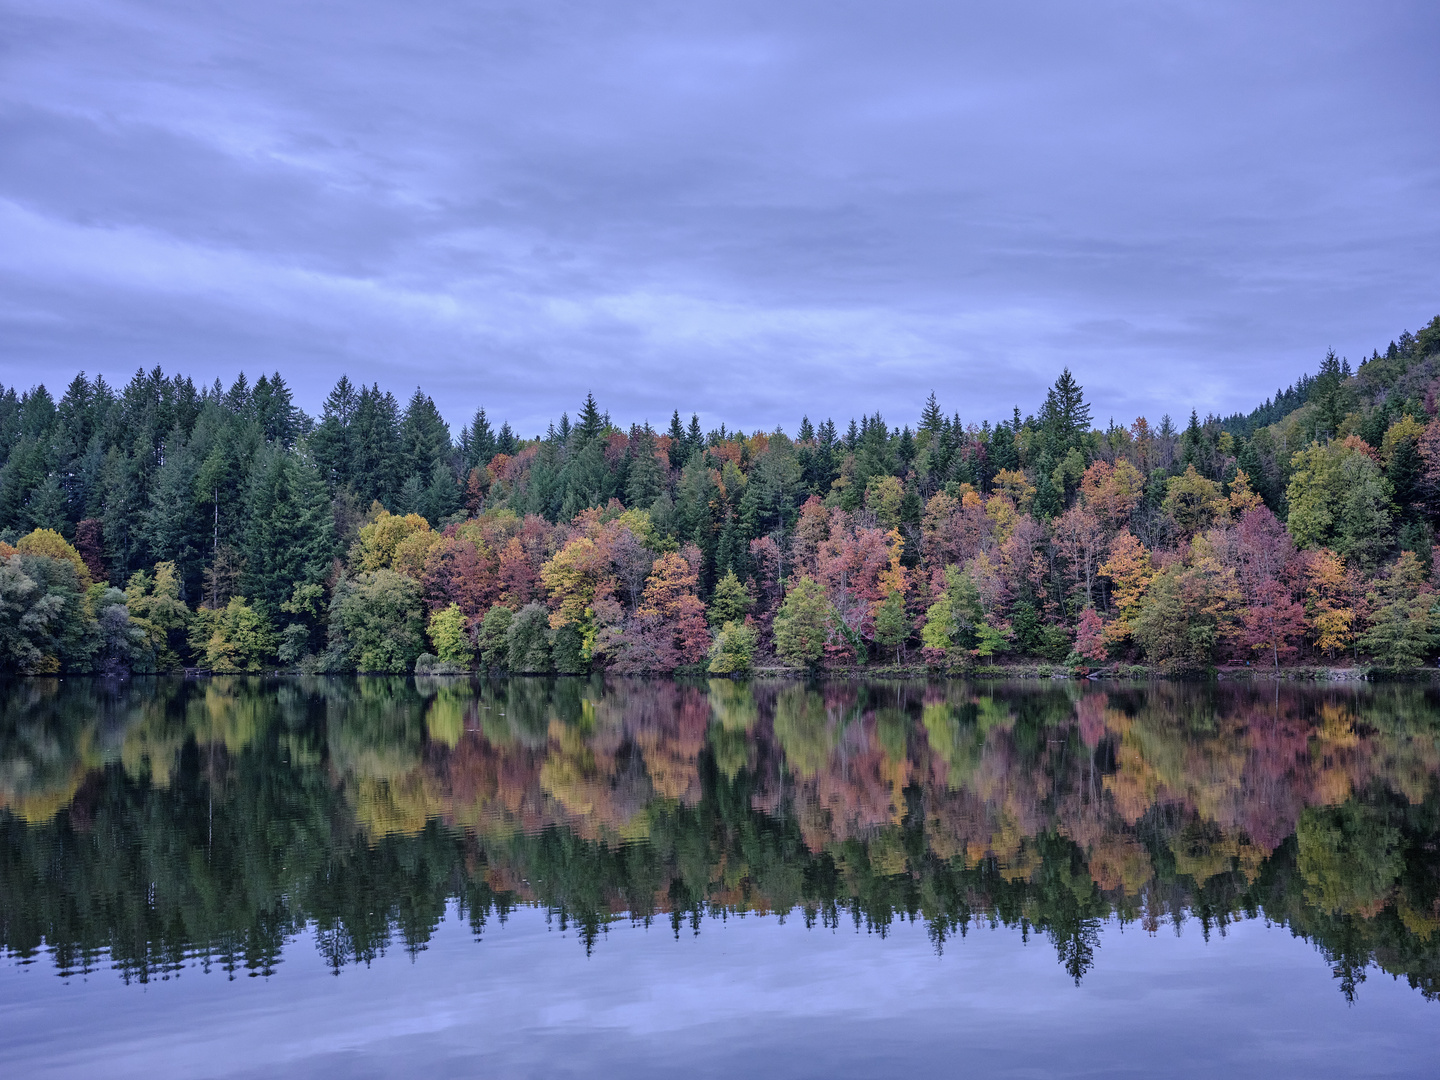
(747, 209)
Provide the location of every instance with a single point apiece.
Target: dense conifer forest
(163, 525)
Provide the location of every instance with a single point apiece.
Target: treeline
(166, 525)
(162, 823)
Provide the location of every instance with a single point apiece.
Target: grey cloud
(751, 210)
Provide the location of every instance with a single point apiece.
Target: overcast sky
(750, 209)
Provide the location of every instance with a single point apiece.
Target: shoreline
(981, 673)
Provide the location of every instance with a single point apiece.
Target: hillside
(165, 524)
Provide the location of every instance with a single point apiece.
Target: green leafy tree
(1402, 629)
(48, 543)
(731, 602)
(1186, 613)
(1339, 499)
(29, 619)
(527, 640)
(568, 653)
(956, 618)
(154, 605)
(802, 625)
(237, 637)
(1192, 501)
(494, 630)
(892, 624)
(450, 637)
(122, 645)
(307, 605)
(379, 620)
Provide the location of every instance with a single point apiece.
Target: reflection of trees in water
(162, 821)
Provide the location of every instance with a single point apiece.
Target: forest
(164, 526)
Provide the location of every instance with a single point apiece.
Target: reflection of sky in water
(745, 997)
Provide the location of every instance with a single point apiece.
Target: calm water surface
(534, 878)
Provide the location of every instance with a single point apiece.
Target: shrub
(733, 652)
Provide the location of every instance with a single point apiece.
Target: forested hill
(1398, 380)
(162, 524)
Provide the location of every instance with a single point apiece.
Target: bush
(430, 664)
(733, 652)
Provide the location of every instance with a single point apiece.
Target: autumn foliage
(1301, 533)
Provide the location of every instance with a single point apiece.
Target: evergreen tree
(425, 437)
(280, 422)
(694, 440)
(1065, 416)
(478, 443)
(442, 494)
(375, 447)
(591, 424)
(289, 539)
(331, 442)
(932, 419)
(174, 521)
(644, 481)
(506, 442)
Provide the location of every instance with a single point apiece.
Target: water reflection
(164, 821)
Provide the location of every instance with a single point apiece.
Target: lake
(599, 877)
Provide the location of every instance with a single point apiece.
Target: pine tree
(275, 411)
(289, 540)
(330, 443)
(425, 436)
(375, 447)
(442, 494)
(644, 481)
(1065, 416)
(477, 443)
(506, 442)
(591, 424)
(932, 419)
